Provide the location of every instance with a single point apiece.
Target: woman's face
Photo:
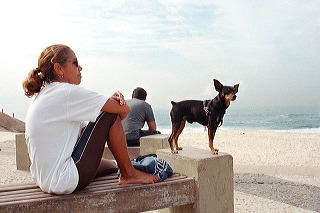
(71, 69)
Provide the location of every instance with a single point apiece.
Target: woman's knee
(117, 129)
(107, 119)
(117, 120)
(110, 116)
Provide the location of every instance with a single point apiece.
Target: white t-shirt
(52, 129)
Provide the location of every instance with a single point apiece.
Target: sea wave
(186, 129)
(305, 130)
(166, 130)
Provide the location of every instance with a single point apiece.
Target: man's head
(139, 93)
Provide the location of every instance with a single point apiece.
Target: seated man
(141, 112)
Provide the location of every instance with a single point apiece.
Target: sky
(173, 49)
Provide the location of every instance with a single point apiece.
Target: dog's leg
(211, 134)
(171, 135)
(175, 128)
(182, 125)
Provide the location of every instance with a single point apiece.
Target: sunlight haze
(171, 48)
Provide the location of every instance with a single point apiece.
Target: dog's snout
(234, 97)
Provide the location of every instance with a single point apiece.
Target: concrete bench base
(133, 152)
(22, 157)
(213, 176)
(150, 144)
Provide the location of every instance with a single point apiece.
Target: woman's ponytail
(33, 83)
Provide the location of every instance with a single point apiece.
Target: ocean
(303, 120)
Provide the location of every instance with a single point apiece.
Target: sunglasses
(75, 62)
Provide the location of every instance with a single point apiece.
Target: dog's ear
(236, 87)
(217, 85)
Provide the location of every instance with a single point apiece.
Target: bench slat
(115, 184)
(13, 187)
(15, 193)
(129, 186)
(17, 187)
(36, 195)
(136, 187)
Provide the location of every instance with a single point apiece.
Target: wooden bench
(205, 185)
(102, 195)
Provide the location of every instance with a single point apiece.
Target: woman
(64, 158)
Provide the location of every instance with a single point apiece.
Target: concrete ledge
(23, 161)
(22, 158)
(133, 152)
(150, 144)
(213, 176)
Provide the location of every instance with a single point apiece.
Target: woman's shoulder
(57, 88)
(69, 89)
(61, 85)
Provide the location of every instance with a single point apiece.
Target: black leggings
(89, 148)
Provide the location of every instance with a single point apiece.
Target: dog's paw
(215, 151)
(174, 151)
(179, 148)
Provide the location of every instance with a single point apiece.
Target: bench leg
(213, 176)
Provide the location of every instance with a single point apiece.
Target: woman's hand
(119, 97)
(113, 105)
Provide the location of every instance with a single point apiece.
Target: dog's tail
(173, 103)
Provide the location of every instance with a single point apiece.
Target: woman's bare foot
(138, 177)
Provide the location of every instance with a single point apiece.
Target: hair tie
(39, 72)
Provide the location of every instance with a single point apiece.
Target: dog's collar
(206, 108)
(206, 105)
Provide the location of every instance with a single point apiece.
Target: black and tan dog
(209, 113)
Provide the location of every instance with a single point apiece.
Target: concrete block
(213, 176)
(150, 144)
(133, 152)
(22, 158)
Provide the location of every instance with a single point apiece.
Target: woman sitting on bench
(65, 157)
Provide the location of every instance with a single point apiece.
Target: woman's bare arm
(113, 106)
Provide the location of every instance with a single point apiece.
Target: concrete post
(150, 144)
(213, 176)
(133, 152)
(22, 157)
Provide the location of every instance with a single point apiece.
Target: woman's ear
(57, 70)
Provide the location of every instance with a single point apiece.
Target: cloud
(174, 48)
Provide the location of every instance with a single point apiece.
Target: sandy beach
(274, 171)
